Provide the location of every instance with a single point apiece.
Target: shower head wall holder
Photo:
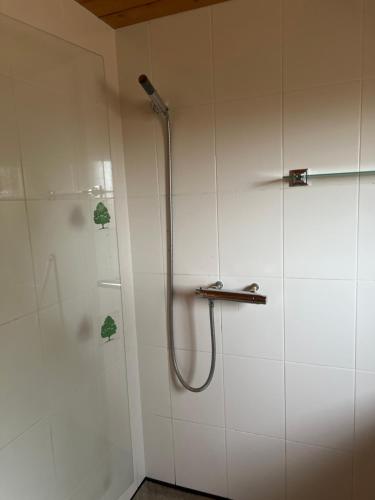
(248, 296)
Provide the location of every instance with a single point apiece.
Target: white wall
(257, 88)
(39, 455)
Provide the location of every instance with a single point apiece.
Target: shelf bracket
(298, 177)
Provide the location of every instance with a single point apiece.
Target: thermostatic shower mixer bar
(212, 293)
(216, 292)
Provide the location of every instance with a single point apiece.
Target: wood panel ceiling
(119, 13)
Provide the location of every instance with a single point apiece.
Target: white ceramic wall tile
(78, 446)
(200, 457)
(254, 330)
(11, 184)
(320, 236)
(367, 129)
(105, 243)
(39, 59)
(193, 149)
(70, 335)
(181, 57)
(320, 405)
(365, 348)
(91, 426)
(63, 118)
(247, 48)
(365, 406)
(191, 314)
(154, 373)
(150, 307)
(254, 395)
(89, 76)
(195, 234)
(108, 480)
(159, 454)
(146, 237)
(250, 233)
(94, 166)
(49, 140)
(140, 154)
(138, 117)
(368, 39)
(115, 429)
(113, 384)
(322, 128)
(16, 271)
(44, 14)
(18, 479)
(61, 242)
(322, 42)
(69, 82)
(111, 360)
(248, 143)
(87, 31)
(256, 466)
(108, 301)
(364, 436)
(203, 407)
(134, 48)
(22, 390)
(320, 322)
(366, 232)
(314, 472)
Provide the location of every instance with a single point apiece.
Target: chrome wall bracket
(298, 177)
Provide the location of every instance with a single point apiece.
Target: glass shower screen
(64, 413)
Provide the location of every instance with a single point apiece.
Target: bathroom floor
(154, 491)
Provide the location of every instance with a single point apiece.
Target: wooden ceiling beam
(119, 13)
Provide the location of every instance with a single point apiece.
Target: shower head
(157, 102)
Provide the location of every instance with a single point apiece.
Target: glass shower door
(67, 425)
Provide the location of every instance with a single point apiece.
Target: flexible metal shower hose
(169, 223)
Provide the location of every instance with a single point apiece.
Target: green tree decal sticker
(109, 328)
(101, 215)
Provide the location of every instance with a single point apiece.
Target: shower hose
(169, 223)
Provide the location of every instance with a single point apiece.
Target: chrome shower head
(157, 102)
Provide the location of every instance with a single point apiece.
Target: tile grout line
(256, 434)
(283, 93)
(260, 358)
(36, 295)
(164, 249)
(255, 275)
(211, 27)
(25, 431)
(33, 312)
(214, 107)
(257, 95)
(361, 55)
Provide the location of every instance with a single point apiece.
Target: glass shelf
(301, 177)
(87, 194)
(92, 193)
